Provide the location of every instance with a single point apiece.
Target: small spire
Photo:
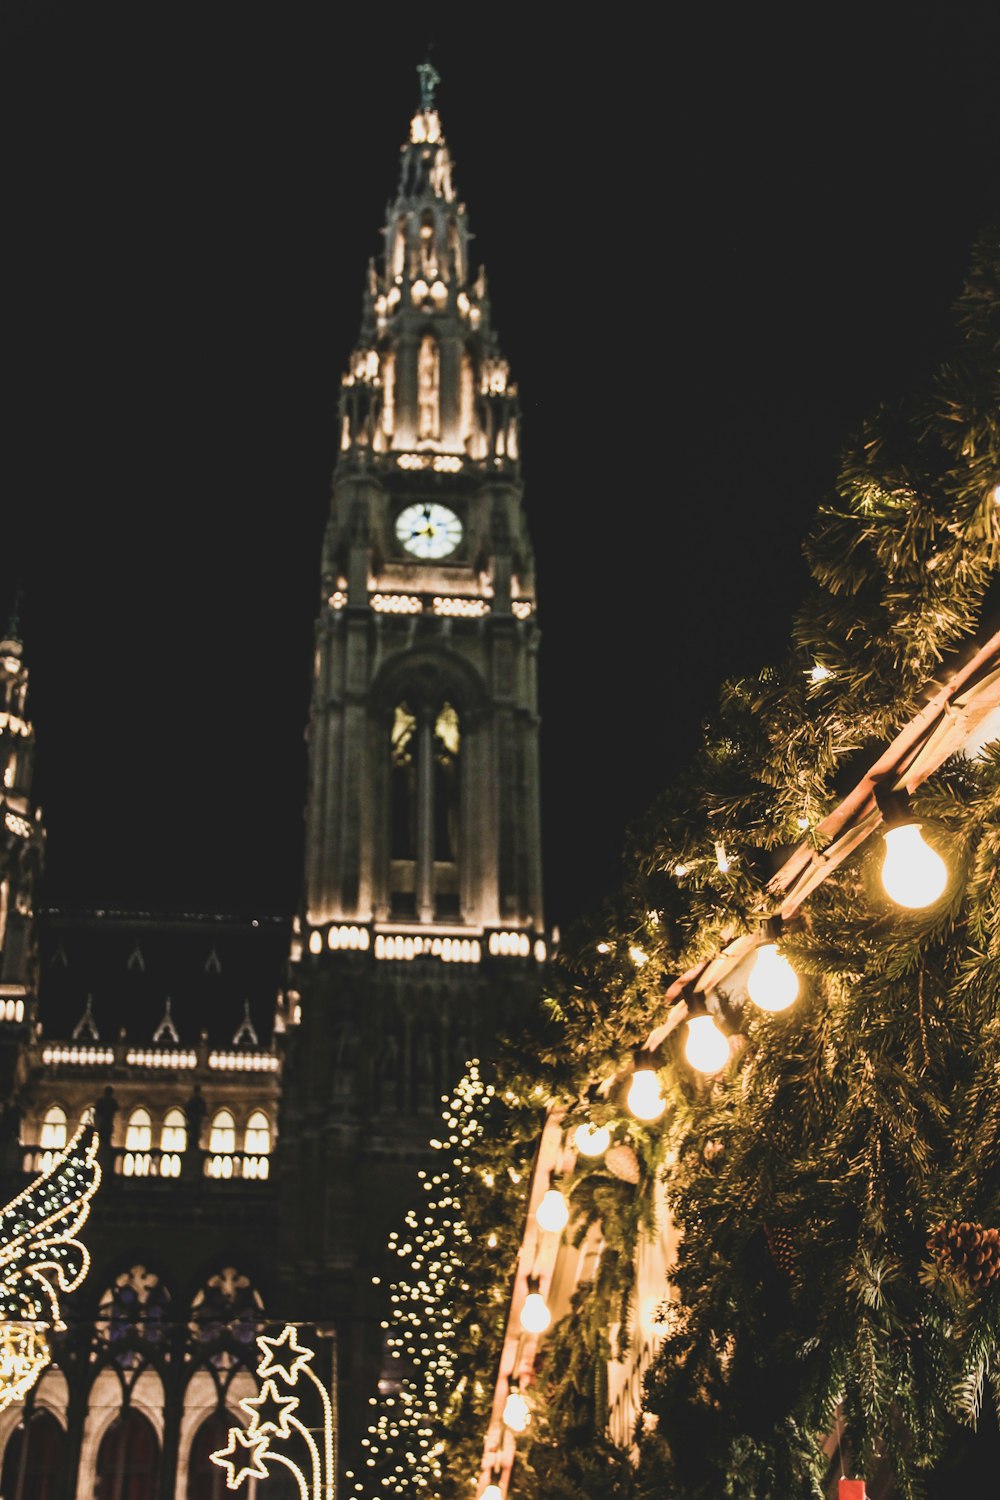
(429, 80)
(85, 1029)
(245, 1034)
(166, 1031)
(11, 641)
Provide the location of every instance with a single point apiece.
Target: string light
(914, 875)
(40, 1258)
(552, 1213)
(592, 1140)
(535, 1314)
(273, 1421)
(644, 1097)
(772, 983)
(516, 1411)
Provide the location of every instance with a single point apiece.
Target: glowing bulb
(516, 1412)
(706, 1048)
(592, 1140)
(913, 874)
(553, 1211)
(772, 982)
(535, 1315)
(996, 494)
(644, 1097)
(492, 1492)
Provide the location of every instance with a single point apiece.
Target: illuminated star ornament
(274, 1424)
(41, 1259)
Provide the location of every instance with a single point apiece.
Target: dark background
(714, 240)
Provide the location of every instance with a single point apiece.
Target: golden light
(535, 1315)
(24, 1353)
(772, 983)
(552, 1213)
(706, 1048)
(492, 1492)
(516, 1411)
(914, 874)
(592, 1140)
(644, 1097)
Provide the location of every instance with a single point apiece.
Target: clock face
(428, 529)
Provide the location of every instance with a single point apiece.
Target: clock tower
(420, 936)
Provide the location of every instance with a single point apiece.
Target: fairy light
(403, 1447)
(273, 1424)
(592, 1140)
(40, 1258)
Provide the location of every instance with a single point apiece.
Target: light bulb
(772, 982)
(913, 874)
(516, 1412)
(553, 1211)
(706, 1048)
(644, 1097)
(535, 1315)
(492, 1492)
(592, 1140)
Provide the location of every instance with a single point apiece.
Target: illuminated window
(139, 1131)
(223, 1134)
(257, 1140)
(424, 813)
(173, 1136)
(428, 389)
(54, 1129)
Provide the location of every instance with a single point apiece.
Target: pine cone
(781, 1243)
(967, 1250)
(622, 1162)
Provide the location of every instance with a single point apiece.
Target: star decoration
(253, 1445)
(288, 1368)
(269, 1412)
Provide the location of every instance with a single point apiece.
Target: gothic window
(134, 1310)
(138, 1143)
(389, 393)
(399, 248)
(257, 1139)
(428, 251)
(223, 1133)
(54, 1129)
(34, 1460)
(207, 1481)
(455, 246)
(228, 1307)
(424, 812)
(10, 772)
(128, 1460)
(173, 1136)
(139, 1131)
(429, 389)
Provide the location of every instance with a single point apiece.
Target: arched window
(173, 1136)
(34, 1460)
(223, 1133)
(54, 1129)
(425, 753)
(128, 1460)
(429, 389)
(139, 1131)
(257, 1140)
(207, 1481)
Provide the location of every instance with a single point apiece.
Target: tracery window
(173, 1136)
(424, 841)
(227, 1308)
(429, 389)
(53, 1136)
(134, 1310)
(139, 1131)
(222, 1137)
(257, 1138)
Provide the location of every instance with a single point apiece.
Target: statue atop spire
(429, 80)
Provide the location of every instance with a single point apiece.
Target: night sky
(713, 244)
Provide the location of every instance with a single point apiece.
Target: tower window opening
(388, 394)
(424, 815)
(429, 389)
(428, 249)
